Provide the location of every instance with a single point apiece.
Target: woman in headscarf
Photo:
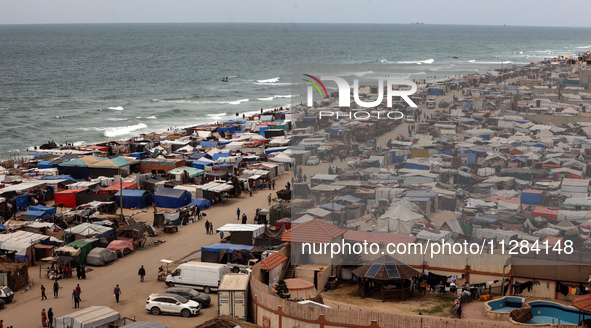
(43, 318)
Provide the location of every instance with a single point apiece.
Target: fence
(272, 311)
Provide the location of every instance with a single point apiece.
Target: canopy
(257, 229)
(171, 198)
(100, 256)
(225, 246)
(400, 220)
(93, 316)
(47, 211)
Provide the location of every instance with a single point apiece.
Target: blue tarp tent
(531, 198)
(262, 130)
(208, 143)
(22, 202)
(45, 165)
(416, 166)
(201, 164)
(219, 155)
(171, 198)
(134, 198)
(229, 130)
(196, 156)
(47, 211)
(201, 202)
(33, 215)
(224, 246)
(485, 219)
(59, 177)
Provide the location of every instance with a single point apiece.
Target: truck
(233, 296)
(364, 131)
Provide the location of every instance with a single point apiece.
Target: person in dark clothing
(56, 288)
(117, 292)
(238, 213)
(76, 298)
(43, 297)
(79, 291)
(207, 227)
(142, 273)
(273, 183)
(50, 318)
(244, 218)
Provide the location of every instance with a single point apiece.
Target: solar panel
(392, 270)
(373, 271)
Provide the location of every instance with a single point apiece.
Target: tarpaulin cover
(33, 214)
(218, 155)
(228, 247)
(416, 166)
(47, 211)
(84, 246)
(171, 198)
(120, 245)
(134, 198)
(59, 177)
(201, 202)
(527, 198)
(67, 197)
(22, 201)
(45, 165)
(116, 186)
(208, 143)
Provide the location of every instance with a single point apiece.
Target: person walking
(238, 214)
(117, 293)
(141, 273)
(50, 318)
(207, 227)
(76, 298)
(43, 318)
(269, 199)
(79, 291)
(43, 296)
(56, 288)
(273, 183)
(244, 218)
(211, 228)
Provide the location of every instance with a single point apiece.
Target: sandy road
(97, 289)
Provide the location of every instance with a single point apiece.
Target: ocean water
(91, 83)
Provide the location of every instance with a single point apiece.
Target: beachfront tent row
(94, 167)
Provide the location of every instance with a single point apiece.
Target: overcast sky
(470, 12)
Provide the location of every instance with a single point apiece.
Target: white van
(198, 275)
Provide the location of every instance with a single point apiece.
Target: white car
(409, 119)
(313, 160)
(173, 304)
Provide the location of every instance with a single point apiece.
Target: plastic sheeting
(133, 198)
(171, 198)
(100, 256)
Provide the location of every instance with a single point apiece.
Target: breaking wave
(115, 108)
(273, 80)
(418, 62)
(123, 130)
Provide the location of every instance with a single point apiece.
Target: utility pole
(121, 195)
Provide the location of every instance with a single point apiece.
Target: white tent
(445, 236)
(399, 220)
(281, 158)
(93, 316)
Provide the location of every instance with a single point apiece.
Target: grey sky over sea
(567, 13)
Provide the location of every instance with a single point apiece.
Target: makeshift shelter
(242, 234)
(386, 278)
(90, 317)
(143, 324)
(47, 211)
(122, 246)
(100, 256)
(133, 198)
(69, 198)
(400, 220)
(118, 186)
(171, 198)
(202, 203)
(84, 246)
(88, 230)
(215, 253)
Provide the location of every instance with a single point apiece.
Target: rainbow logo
(316, 85)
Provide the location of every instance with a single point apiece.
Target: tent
(115, 187)
(134, 198)
(400, 220)
(100, 256)
(68, 197)
(87, 230)
(201, 202)
(123, 246)
(214, 252)
(47, 211)
(171, 198)
(90, 317)
(84, 246)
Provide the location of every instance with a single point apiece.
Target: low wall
(270, 311)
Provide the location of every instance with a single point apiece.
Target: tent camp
(171, 198)
(399, 220)
(118, 186)
(134, 198)
(215, 252)
(100, 256)
(47, 211)
(90, 317)
(88, 230)
(242, 234)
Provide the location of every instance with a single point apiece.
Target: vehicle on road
(171, 304)
(191, 294)
(313, 160)
(6, 294)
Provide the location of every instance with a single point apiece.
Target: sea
(89, 83)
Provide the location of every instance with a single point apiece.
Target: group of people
(209, 227)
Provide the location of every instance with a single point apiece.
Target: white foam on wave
(385, 61)
(86, 129)
(418, 62)
(234, 102)
(79, 143)
(216, 115)
(123, 130)
(116, 108)
(117, 119)
(584, 47)
(151, 117)
(265, 99)
(273, 80)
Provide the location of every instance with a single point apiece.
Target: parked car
(409, 119)
(173, 304)
(313, 160)
(6, 294)
(191, 294)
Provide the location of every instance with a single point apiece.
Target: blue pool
(505, 304)
(548, 312)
